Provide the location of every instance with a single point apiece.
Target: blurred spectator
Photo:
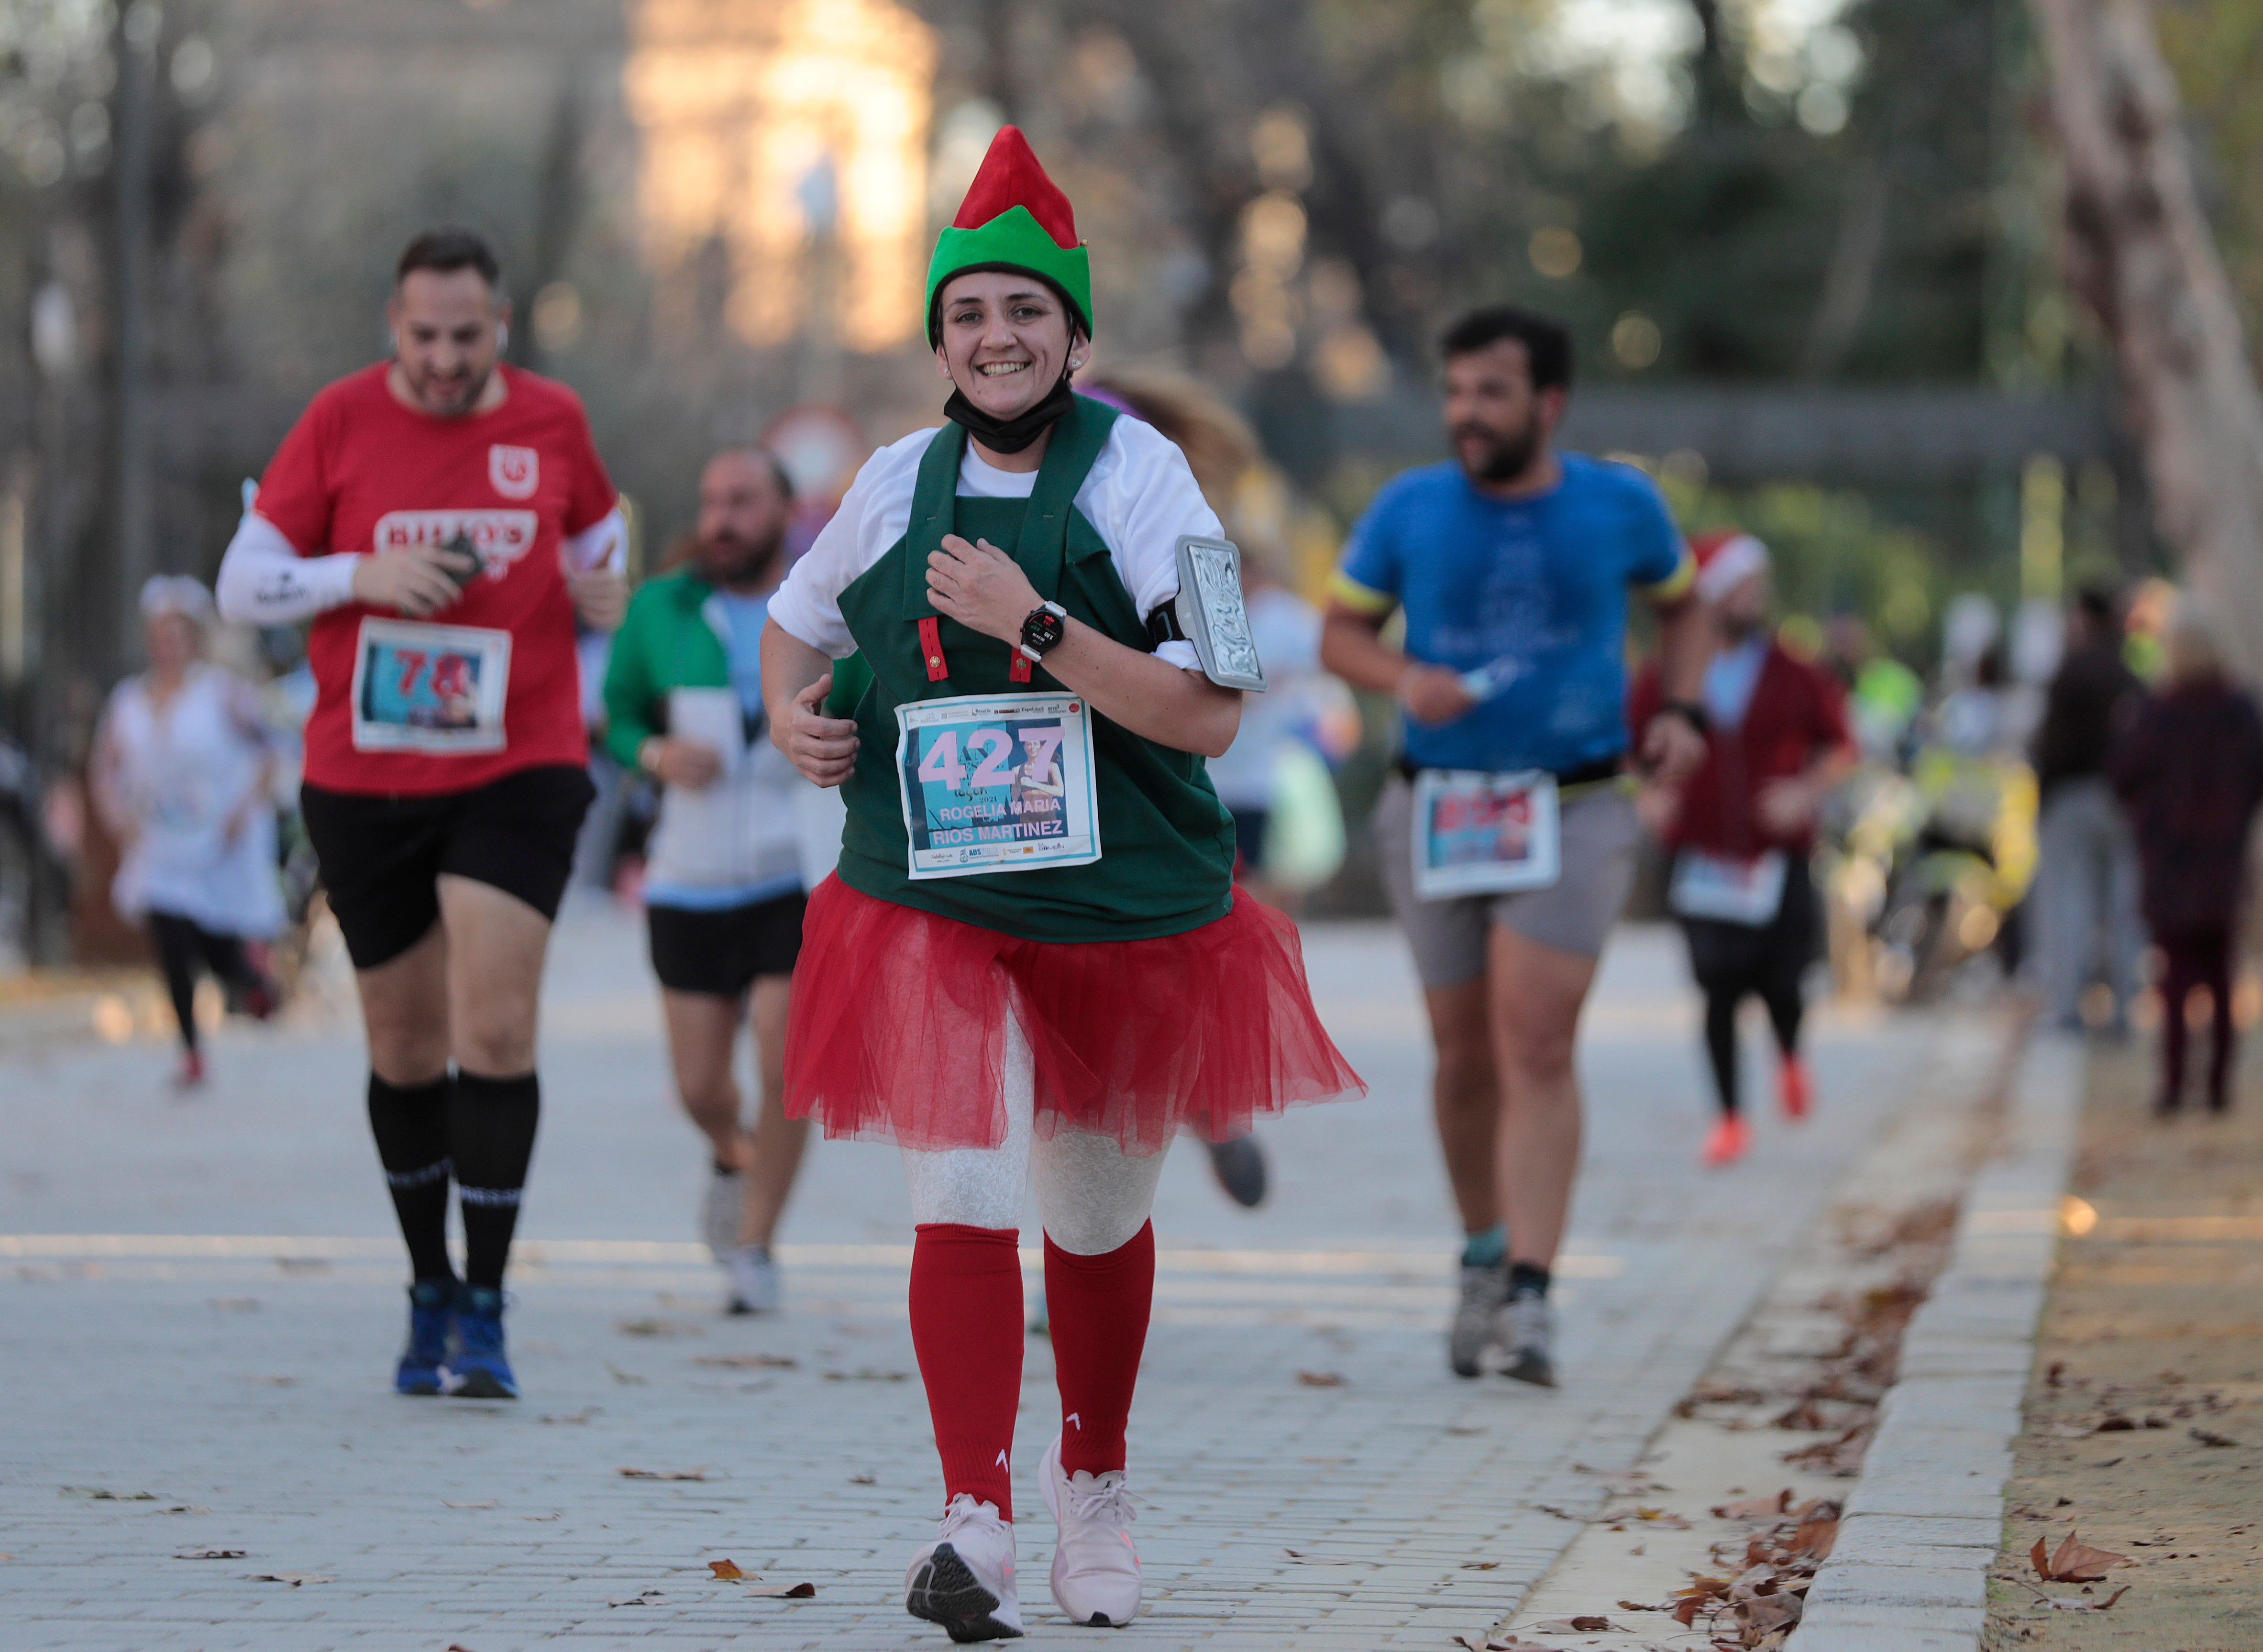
(2086, 880)
(2190, 770)
(183, 771)
(1884, 694)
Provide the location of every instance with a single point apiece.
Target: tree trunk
(2140, 251)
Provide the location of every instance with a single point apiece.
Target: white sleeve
(873, 516)
(604, 543)
(264, 580)
(1142, 498)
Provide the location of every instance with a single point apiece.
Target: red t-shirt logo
(516, 472)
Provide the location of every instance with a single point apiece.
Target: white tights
(1092, 1197)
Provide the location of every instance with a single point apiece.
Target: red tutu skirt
(898, 1030)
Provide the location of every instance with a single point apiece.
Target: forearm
(789, 666)
(629, 699)
(1352, 647)
(1153, 698)
(264, 581)
(1685, 647)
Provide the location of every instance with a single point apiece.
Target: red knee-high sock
(1098, 1305)
(967, 1330)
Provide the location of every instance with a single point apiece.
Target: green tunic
(1167, 843)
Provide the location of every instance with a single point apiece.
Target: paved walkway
(202, 1303)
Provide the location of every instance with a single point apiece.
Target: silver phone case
(1210, 612)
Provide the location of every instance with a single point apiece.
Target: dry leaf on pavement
(663, 1474)
(787, 1591)
(747, 1362)
(726, 1569)
(293, 1578)
(2075, 1562)
(1583, 1625)
(1321, 1379)
(2210, 1437)
(210, 1554)
(1754, 1508)
(2068, 1604)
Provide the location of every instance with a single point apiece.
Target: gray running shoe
(1240, 1167)
(755, 1285)
(719, 1211)
(1528, 1331)
(1484, 1290)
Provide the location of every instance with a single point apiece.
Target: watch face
(1042, 630)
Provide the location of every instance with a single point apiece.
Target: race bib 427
(997, 784)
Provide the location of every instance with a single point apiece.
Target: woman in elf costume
(1031, 962)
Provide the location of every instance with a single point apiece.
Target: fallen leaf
(1303, 1558)
(642, 1598)
(210, 1554)
(2075, 1562)
(1660, 1517)
(747, 1362)
(862, 1480)
(2114, 1423)
(787, 1591)
(1321, 1379)
(1817, 1532)
(1754, 1508)
(293, 1578)
(1550, 1508)
(727, 1569)
(104, 1494)
(2210, 1437)
(1576, 1626)
(663, 1474)
(185, 1508)
(489, 1504)
(1636, 1606)
(2067, 1603)
(1480, 1566)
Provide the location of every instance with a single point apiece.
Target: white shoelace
(1101, 1497)
(963, 1513)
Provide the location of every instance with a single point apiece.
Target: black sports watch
(1690, 712)
(1043, 630)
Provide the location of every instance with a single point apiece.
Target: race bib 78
(434, 689)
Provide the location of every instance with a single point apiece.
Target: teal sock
(1487, 1249)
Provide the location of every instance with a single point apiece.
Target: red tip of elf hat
(1725, 560)
(1009, 178)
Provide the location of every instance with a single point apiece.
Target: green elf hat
(1014, 218)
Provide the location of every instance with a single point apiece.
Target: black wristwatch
(1690, 712)
(1043, 630)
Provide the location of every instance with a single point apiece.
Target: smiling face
(1006, 339)
(446, 333)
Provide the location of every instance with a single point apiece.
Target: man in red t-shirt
(443, 520)
(1742, 827)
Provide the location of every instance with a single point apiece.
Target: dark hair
(2096, 603)
(1547, 345)
(446, 248)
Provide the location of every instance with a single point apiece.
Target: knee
(1541, 1055)
(1465, 1072)
(495, 1040)
(408, 1055)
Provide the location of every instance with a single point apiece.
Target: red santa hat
(1725, 560)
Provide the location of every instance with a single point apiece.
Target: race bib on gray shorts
(1597, 842)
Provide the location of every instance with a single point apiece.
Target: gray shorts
(1574, 914)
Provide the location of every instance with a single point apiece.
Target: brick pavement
(202, 1303)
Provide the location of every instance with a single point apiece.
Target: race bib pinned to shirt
(1477, 833)
(997, 783)
(434, 689)
(1728, 888)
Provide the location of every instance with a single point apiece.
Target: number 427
(992, 745)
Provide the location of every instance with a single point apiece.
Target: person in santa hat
(1741, 828)
(1031, 963)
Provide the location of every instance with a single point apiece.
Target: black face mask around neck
(1009, 435)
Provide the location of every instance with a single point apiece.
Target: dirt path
(2144, 1418)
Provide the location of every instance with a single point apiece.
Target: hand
(1786, 807)
(1672, 748)
(1433, 694)
(686, 763)
(823, 749)
(1658, 807)
(601, 598)
(416, 580)
(980, 586)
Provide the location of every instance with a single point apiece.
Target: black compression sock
(412, 1126)
(491, 1138)
(1528, 1279)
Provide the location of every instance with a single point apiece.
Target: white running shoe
(720, 1208)
(1528, 1331)
(965, 1579)
(755, 1285)
(1096, 1567)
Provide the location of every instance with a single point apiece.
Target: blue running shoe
(480, 1369)
(431, 1315)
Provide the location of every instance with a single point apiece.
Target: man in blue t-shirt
(1507, 837)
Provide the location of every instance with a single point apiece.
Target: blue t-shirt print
(1533, 591)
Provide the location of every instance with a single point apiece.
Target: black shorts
(382, 854)
(720, 952)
